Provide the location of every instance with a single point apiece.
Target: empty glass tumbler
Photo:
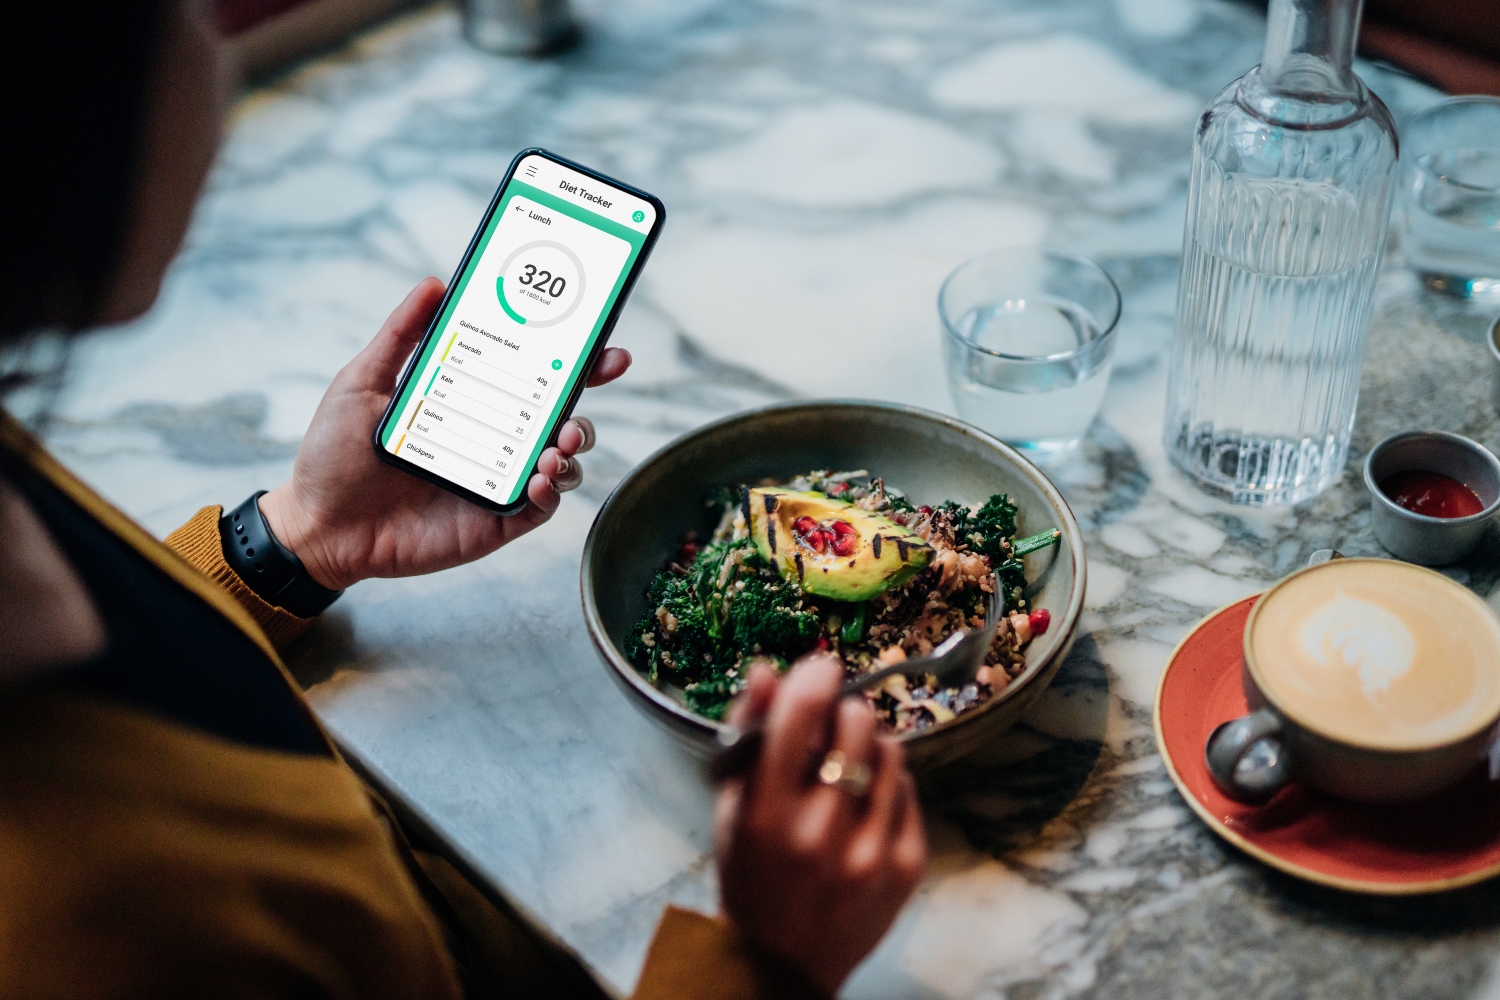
(1450, 186)
(1028, 336)
(1292, 180)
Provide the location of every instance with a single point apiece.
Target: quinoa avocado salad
(838, 561)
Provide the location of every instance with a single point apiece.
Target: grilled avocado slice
(829, 547)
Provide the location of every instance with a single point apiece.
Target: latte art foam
(1362, 636)
(1378, 653)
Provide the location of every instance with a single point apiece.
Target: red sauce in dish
(1431, 493)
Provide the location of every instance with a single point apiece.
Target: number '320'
(543, 281)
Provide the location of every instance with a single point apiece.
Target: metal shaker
(518, 27)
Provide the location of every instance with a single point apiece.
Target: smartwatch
(269, 568)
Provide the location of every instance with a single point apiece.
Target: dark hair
(75, 82)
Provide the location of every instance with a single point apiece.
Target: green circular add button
(557, 364)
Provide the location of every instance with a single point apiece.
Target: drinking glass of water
(1450, 219)
(1029, 335)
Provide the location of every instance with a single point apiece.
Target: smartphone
(525, 317)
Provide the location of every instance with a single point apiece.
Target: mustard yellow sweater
(142, 858)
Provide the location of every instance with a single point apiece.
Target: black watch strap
(269, 568)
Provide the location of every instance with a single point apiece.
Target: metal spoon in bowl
(954, 662)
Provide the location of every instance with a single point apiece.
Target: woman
(174, 820)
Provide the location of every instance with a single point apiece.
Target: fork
(954, 662)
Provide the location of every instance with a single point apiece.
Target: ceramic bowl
(929, 456)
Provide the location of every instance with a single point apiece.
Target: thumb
(377, 367)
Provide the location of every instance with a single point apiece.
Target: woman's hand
(348, 515)
(806, 870)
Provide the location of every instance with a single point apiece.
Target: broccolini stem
(854, 626)
(1026, 546)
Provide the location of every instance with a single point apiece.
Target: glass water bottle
(1293, 172)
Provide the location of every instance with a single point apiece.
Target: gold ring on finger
(848, 776)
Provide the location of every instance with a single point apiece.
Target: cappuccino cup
(1371, 679)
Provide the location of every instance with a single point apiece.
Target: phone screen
(503, 360)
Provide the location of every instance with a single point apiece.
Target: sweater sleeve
(694, 957)
(198, 543)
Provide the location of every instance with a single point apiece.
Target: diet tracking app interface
(512, 341)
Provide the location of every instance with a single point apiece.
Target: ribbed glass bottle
(1293, 172)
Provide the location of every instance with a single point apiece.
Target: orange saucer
(1442, 842)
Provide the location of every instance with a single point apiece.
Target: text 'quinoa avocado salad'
(838, 561)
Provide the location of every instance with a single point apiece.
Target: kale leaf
(727, 603)
(995, 524)
(1012, 575)
(988, 532)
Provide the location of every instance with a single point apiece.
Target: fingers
(828, 810)
(854, 737)
(576, 436)
(750, 707)
(544, 498)
(557, 471)
(613, 362)
(726, 815)
(884, 812)
(854, 734)
(909, 849)
(797, 726)
(753, 703)
(377, 367)
(564, 473)
(806, 870)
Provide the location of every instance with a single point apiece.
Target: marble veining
(824, 164)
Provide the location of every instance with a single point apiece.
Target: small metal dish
(1417, 538)
(930, 456)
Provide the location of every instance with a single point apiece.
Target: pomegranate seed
(844, 545)
(822, 642)
(816, 539)
(1040, 619)
(842, 528)
(803, 525)
(688, 552)
(924, 510)
(838, 488)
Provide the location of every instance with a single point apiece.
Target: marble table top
(847, 154)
